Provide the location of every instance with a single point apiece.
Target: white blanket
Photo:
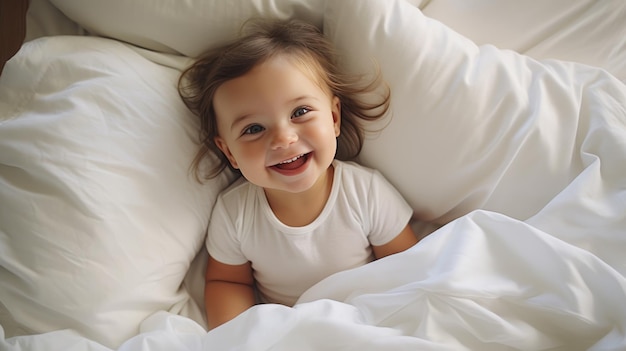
(483, 282)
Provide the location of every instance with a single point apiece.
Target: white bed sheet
(483, 282)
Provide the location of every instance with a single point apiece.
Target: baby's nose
(283, 137)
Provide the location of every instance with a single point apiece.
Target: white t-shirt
(362, 209)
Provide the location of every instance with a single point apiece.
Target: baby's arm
(401, 242)
(228, 291)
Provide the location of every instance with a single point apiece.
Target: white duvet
(102, 227)
(483, 282)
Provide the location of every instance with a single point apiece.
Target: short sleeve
(222, 240)
(388, 211)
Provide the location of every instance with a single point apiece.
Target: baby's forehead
(277, 78)
(309, 65)
(305, 63)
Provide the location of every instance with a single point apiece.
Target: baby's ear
(336, 111)
(221, 144)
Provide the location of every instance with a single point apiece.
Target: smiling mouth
(293, 163)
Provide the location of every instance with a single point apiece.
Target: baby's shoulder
(353, 173)
(238, 193)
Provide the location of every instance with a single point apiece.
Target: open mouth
(293, 163)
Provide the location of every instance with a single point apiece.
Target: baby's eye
(300, 111)
(253, 129)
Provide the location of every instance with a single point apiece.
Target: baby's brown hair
(261, 40)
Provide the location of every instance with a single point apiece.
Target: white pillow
(186, 27)
(586, 31)
(472, 127)
(99, 215)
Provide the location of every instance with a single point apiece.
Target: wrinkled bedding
(482, 282)
(516, 163)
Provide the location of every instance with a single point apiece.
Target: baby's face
(277, 125)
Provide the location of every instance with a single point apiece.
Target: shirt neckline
(330, 204)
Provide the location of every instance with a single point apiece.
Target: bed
(507, 136)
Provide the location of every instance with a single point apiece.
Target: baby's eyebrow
(239, 120)
(303, 97)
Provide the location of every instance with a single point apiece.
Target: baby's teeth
(293, 159)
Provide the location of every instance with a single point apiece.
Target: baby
(275, 107)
